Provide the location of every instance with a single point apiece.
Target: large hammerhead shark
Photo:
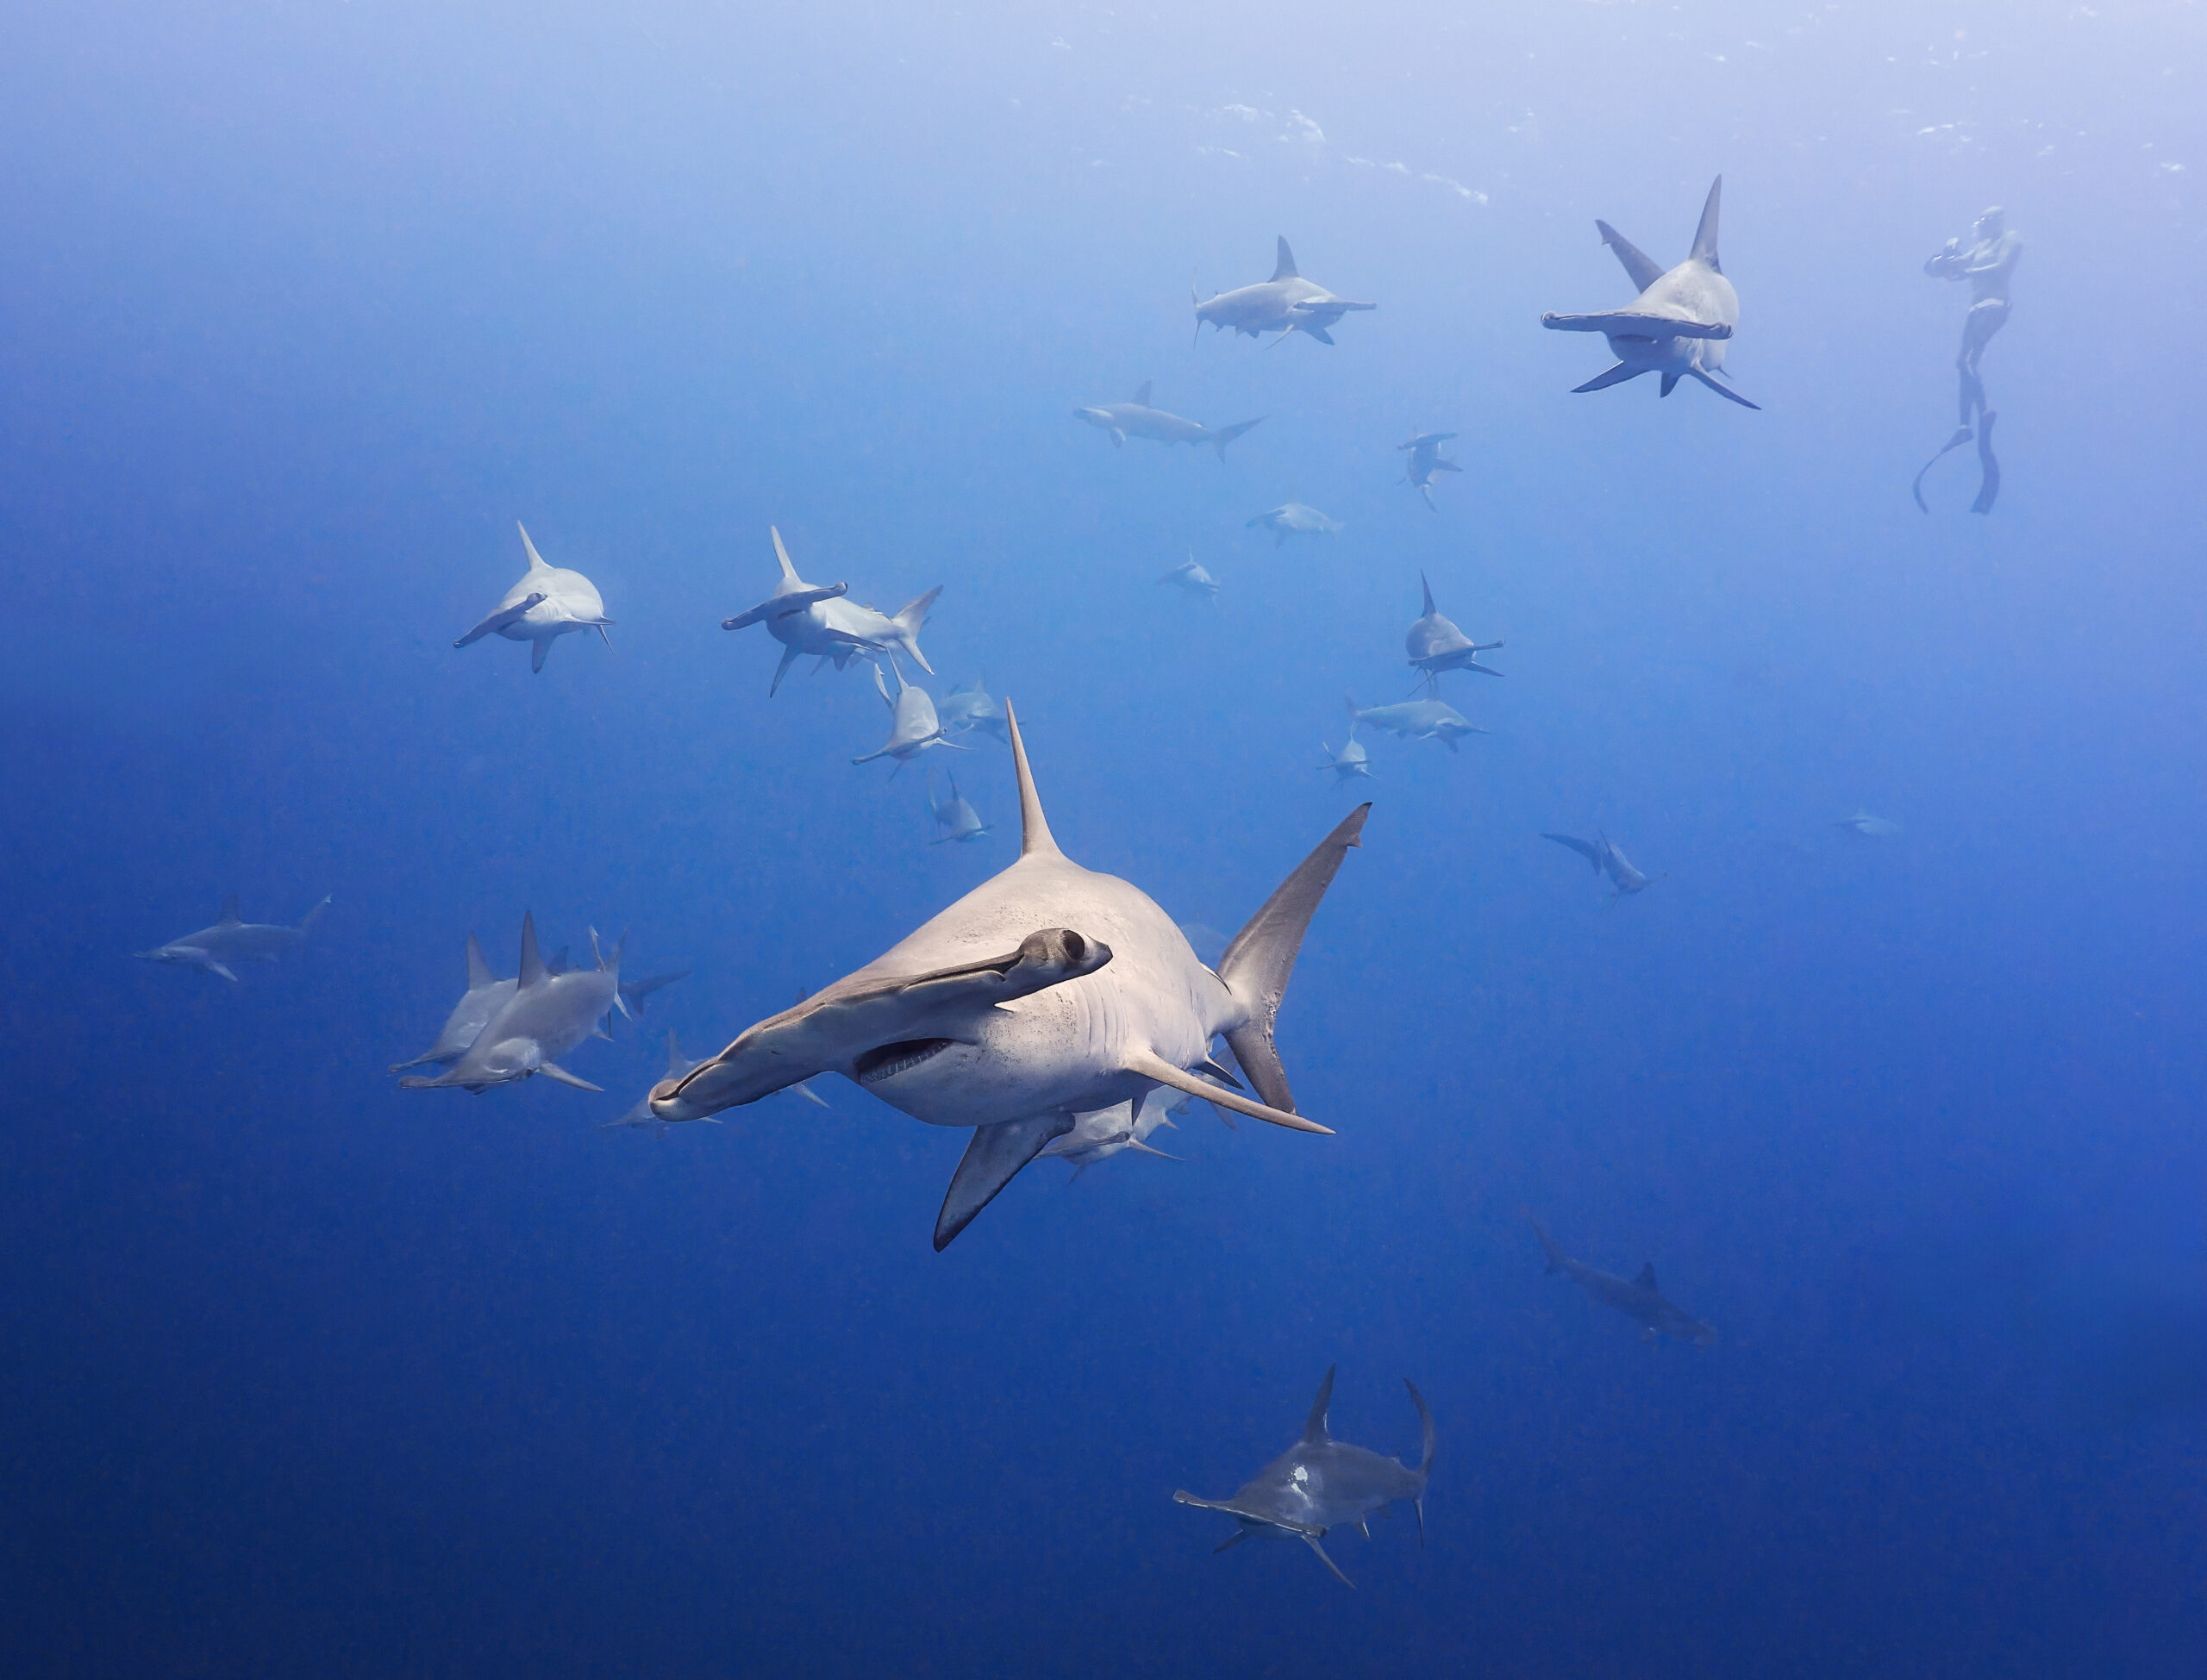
(1047, 992)
(1285, 304)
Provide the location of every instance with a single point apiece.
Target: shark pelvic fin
(1034, 828)
(553, 1071)
(1284, 269)
(992, 1160)
(1314, 1429)
(1705, 237)
(1151, 1065)
(1261, 957)
(537, 650)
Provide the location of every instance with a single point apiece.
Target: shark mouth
(886, 1061)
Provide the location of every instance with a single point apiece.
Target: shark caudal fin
(1034, 828)
(308, 921)
(1284, 269)
(1314, 1428)
(479, 965)
(1226, 435)
(1705, 237)
(908, 620)
(1548, 1243)
(1261, 957)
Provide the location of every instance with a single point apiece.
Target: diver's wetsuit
(1988, 264)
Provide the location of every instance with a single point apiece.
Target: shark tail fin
(1425, 1426)
(479, 965)
(1226, 435)
(1314, 1430)
(908, 622)
(1705, 237)
(1284, 269)
(1548, 1243)
(229, 909)
(782, 554)
(308, 921)
(1261, 957)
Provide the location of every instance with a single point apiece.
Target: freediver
(1988, 263)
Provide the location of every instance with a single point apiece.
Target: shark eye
(1075, 946)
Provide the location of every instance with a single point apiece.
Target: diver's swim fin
(1962, 436)
(1990, 487)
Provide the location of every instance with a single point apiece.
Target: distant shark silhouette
(1679, 323)
(547, 1015)
(549, 602)
(816, 618)
(486, 995)
(1047, 992)
(1637, 1298)
(955, 817)
(1608, 860)
(1283, 304)
(677, 1065)
(1352, 760)
(1293, 519)
(1425, 461)
(1099, 1136)
(1436, 644)
(1871, 827)
(963, 709)
(1429, 719)
(1320, 1484)
(1193, 581)
(1138, 420)
(913, 728)
(212, 950)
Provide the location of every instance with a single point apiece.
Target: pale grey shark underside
(1320, 1484)
(1138, 420)
(1679, 325)
(971, 707)
(1637, 1298)
(1871, 828)
(549, 602)
(1607, 859)
(213, 950)
(1047, 992)
(1193, 581)
(1112, 1132)
(1283, 304)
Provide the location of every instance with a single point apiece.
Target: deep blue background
(302, 306)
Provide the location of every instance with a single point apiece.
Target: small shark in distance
(963, 709)
(1047, 992)
(549, 602)
(1435, 644)
(547, 1015)
(914, 726)
(1679, 325)
(1637, 1298)
(486, 995)
(1425, 461)
(1871, 827)
(955, 817)
(1194, 581)
(212, 950)
(1285, 304)
(1608, 860)
(1293, 519)
(1429, 719)
(1352, 760)
(816, 618)
(1320, 1484)
(1113, 1131)
(1138, 420)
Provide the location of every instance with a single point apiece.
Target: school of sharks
(1054, 1010)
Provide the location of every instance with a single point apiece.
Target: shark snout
(1093, 417)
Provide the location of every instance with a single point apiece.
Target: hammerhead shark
(547, 1015)
(1429, 719)
(1425, 461)
(1047, 992)
(1871, 828)
(547, 602)
(1608, 860)
(1637, 1298)
(1679, 323)
(1113, 1131)
(1293, 519)
(1436, 644)
(1320, 1484)
(1138, 420)
(1285, 304)
(486, 995)
(1352, 760)
(1193, 581)
(212, 950)
(913, 728)
(966, 708)
(957, 820)
(816, 618)
(677, 1065)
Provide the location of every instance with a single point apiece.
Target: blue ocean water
(303, 306)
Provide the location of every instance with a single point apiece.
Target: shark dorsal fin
(535, 560)
(1141, 394)
(229, 910)
(1647, 1278)
(1704, 237)
(1034, 828)
(674, 1056)
(1285, 268)
(478, 966)
(1314, 1430)
(1428, 594)
(789, 572)
(532, 971)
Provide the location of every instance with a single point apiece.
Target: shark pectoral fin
(1614, 376)
(537, 650)
(1136, 1143)
(783, 604)
(1311, 1540)
(217, 968)
(1152, 1066)
(1669, 384)
(503, 617)
(1320, 333)
(1722, 390)
(553, 1070)
(811, 1095)
(1230, 1541)
(1118, 439)
(992, 1160)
